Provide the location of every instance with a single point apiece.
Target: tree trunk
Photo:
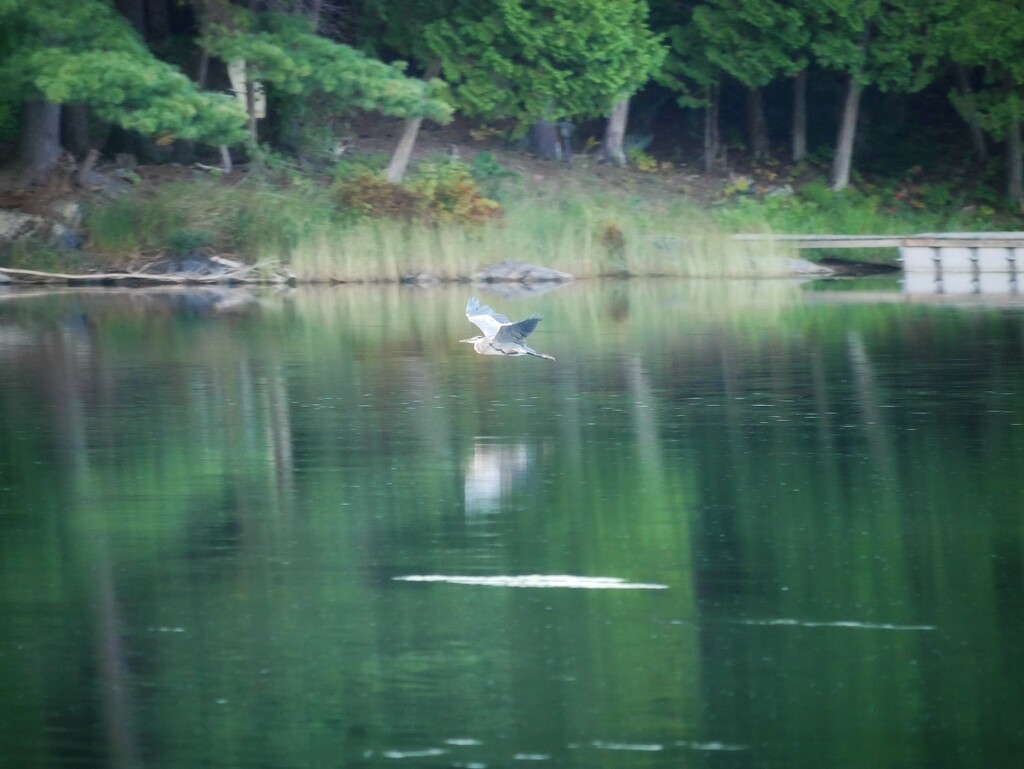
(799, 116)
(973, 126)
(399, 163)
(74, 129)
(757, 126)
(38, 142)
(615, 133)
(1014, 168)
(203, 68)
(843, 160)
(158, 20)
(250, 107)
(225, 159)
(543, 140)
(315, 9)
(135, 12)
(714, 152)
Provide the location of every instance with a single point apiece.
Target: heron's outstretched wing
(484, 318)
(517, 332)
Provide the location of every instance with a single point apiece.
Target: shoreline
(180, 226)
(14, 277)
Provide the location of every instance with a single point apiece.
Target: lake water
(733, 525)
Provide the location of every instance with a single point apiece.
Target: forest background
(292, 128)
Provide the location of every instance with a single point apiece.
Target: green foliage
(187, 240)
(985, 33)
(902, 207)
(85, 52)
(283, 51)
(989, 34)
(114, 230)
(355, 164)
(306, 126)
(489, 173)
(485, 166)
(755, 41)
(249, 221)
(887, 43)
(641, 160)
(544, 59)
(141, 95)
(687, 69)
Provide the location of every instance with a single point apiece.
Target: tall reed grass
(300, 227)
(582, 237)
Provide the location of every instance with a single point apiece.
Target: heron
(500, 336)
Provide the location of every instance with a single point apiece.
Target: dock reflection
(961, 283)
(491, 472)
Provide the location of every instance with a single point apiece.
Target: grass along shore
(305, 230)
(453, 218)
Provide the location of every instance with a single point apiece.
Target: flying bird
(500, 336)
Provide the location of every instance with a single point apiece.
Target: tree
(615, 130)
(689, 72)
(989, 35)
(533, 60)
(885, 43)
(58, 53)
(528, 60)
(398, 25)
(615, 133)
(798, 131)
(282, 51)
(756, 42)
(964, 101)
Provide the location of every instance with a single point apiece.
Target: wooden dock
(931, 253)
(827, 241)
(952, 263)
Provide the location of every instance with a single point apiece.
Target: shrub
(489, 173)
(440, 192)
(370, 195)
(185, 241)
(613, 239)
(448, 194)
(641, 160)
(353, 165)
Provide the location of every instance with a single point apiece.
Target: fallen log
(244, 274)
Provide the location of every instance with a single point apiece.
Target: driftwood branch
(238, 274)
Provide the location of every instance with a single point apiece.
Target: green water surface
(211, 501)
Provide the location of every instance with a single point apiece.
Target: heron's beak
(469, 340)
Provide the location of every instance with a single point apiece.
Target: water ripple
(839, 623)
(536, 580)
(651, 748)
